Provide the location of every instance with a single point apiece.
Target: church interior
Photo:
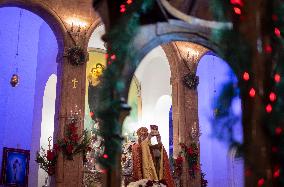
(177, 93)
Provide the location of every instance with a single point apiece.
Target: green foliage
(119, 40)
(237, 52)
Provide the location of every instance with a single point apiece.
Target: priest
(152, 162)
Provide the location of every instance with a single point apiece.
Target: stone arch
(91, 29)
(60, 32)
(184, 100)
(48, 15)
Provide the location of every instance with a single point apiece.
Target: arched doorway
(31, 50)
(184, 58)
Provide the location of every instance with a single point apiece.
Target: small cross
(49, 140)
(74, 81)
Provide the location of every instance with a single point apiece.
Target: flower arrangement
(47, 159)
(76, 55)
(191, 154)
(70, 145)
(191, 81)
(148, 183)
(177, 167)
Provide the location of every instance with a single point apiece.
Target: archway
(25, 42)
(184, 58)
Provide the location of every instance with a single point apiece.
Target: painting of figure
(15, 167)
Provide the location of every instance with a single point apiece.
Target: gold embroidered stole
(148, 166)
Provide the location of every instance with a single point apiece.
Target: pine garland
(119, 40)
(238, 56)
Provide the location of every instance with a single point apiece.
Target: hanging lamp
(14, 81)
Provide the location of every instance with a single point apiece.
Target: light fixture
(192, 55)
(14, 81)
(77, 28)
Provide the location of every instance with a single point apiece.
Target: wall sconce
(77, 28)
(192, 55)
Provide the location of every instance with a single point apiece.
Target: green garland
(119, 41)
(239, 58)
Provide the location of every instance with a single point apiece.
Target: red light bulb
(252, 92)
(237, 2)
(274, 17)
(129, 2)
(274, 149)
(276, 173)
(277, 78)
(113, 57)
(260, 182)
(278, 131)
(246, 76)
(268, 108)
(122, 8)
(268, 48)
(272, 97)
(277, 32)
(237, 10)
(105, 156)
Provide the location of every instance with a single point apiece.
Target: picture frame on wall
(15, 167)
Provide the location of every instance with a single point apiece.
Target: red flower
(190, 151)
(73, 128)
(179, 160)
(182, 145)
(195, 168)
(69, 148)
(50, 155)
(149, 183)
(74, 137)
(56, 148)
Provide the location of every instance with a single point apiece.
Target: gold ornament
(14, 80)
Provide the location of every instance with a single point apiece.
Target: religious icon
(15, 167)
(94, 79)
(150, 161)
(14, 80)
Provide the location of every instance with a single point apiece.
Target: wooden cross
(74, 81)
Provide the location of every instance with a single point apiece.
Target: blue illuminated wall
(20, 107)
(220, 169)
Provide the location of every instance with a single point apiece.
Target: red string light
(277, 32)
(105, 156)
(122, 8)
(237, 10)
(276, 173)
(252, 92)
(274, 17)
(237, 2)
(103, 171)
(277, 78)
(129, 2)
(246, 76)
(268, 49)
(268, 108)
(106, 56)
(113, 57)
(278, 131)
(274, 149)
(272, 97)
(91, 114)
(260, 182)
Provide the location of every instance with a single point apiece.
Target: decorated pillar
(69, 171)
